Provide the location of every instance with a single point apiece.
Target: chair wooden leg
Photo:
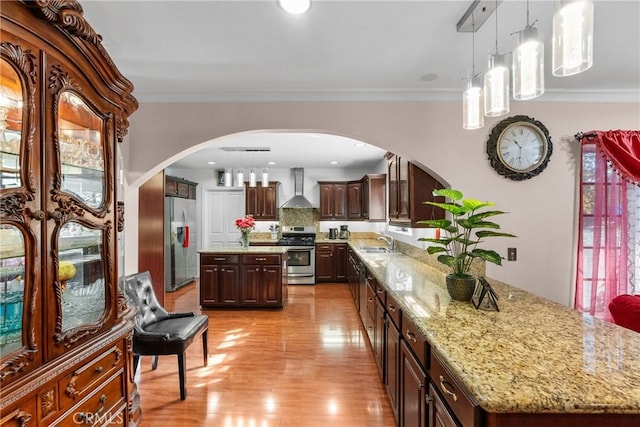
(205, 349)
(136, 360)
(154, 363)
(182, 371)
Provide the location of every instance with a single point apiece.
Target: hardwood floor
(307, 365)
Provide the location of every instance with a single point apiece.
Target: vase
(245, 239)
(461, 288)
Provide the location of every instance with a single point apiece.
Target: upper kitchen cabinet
(333, 201)
(179, 187)
(64, 107)
(374, 197)
(354, 200)
(262, 202)
(409, 188)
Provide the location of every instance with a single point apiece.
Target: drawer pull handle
(82, 416)
(370, 299)
(411, 337)
(379, 291)
(220, 259)
(391, 308)
(99, 370)
(446, 390)
(261, 259)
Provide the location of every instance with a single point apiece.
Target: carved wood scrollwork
(47, 405)
(20, 418)
(60, 81)
(67, 14)
(25, 62)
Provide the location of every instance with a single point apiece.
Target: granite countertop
(250, 250)
(533, 355)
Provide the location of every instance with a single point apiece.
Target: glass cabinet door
(82, 156)
(10, 126)
(12, 268)
(81, 273)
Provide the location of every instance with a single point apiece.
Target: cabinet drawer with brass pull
(416, 341)
(219, 259)
(393, 310)
(261, 259)
(465, 410)
(82, 379)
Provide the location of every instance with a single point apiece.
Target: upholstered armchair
(158, 332)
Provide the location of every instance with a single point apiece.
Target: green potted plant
(462, 237)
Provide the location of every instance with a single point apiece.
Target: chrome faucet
(390, 242)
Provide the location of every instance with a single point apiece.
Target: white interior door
(219, 212)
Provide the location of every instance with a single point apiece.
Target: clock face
(519, 147)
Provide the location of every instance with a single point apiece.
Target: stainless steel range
(301, 241)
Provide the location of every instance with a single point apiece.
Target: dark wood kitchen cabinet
(331, 262)
(333, 201)
(65, 109)
(413, 389)
(262, 202)
(179, 187)
(219, 280)
(392, 352)
(409, 187)
(374, 197)
(261, 280)
(243, 280)
(354, 200)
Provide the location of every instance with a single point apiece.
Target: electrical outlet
(512, 254)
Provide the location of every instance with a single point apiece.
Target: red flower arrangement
(245, 224)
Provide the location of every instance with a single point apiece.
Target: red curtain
(604, 259)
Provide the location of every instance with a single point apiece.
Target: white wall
(542, 210)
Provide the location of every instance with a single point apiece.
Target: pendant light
(572, 38)
(528, 64)
(472, 102)
(240, 178)
(227, 177)
(265, 177)
(252, 178)
(295, 7)
(496, 82)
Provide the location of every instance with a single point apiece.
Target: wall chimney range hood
(298, 201)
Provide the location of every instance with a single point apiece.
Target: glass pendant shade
(572, 38)
(496, 87)
(528, 66)
(265, 177)
(252, 178)
(240, 178)
(472, 107)
(227, 177)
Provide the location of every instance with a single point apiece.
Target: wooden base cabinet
(413, 389)
(439, 415)
(65, 329)
(331, 262)
(248, 280)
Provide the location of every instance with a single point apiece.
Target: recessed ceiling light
(211, 163)
(271, 163)
(359, 144)
(295, 7)
(334, 162)
(429, 77)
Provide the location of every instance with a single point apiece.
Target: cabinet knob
(56, 215)
(37, 215)
(391, 308)
(411, 337)
(99, 370)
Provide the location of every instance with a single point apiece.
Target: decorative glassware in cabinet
(10, 126)
(12, 268)
(82, 157)
(81, 274)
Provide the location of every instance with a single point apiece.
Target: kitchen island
(533, 363)
(236, 277)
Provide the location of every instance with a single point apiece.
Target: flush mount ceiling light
(496, 82)
(295, 7)
(528, 64)
(572, 38)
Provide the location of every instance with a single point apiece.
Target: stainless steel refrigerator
(180, 241)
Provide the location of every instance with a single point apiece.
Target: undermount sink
(374, 249)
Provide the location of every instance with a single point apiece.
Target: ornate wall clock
(519, 147)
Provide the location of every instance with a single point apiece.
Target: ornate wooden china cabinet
(65, 327)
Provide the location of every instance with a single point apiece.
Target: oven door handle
(299, 275)
(300, 250)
